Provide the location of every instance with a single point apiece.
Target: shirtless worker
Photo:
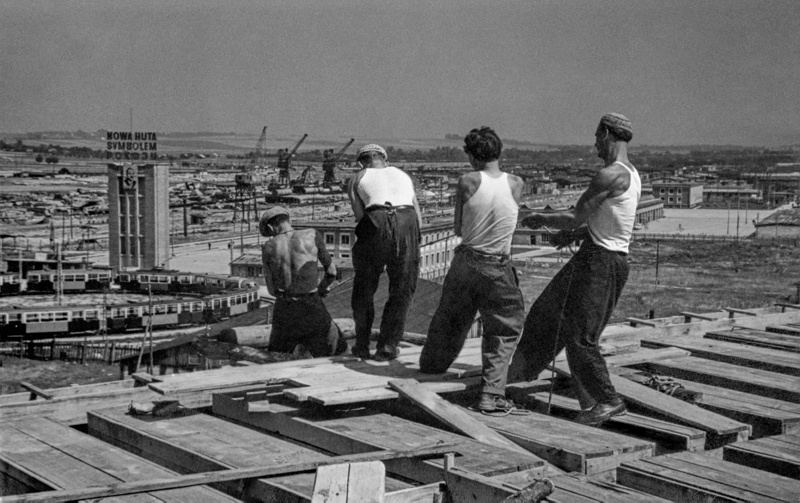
(387, 236)
(291, 273)
(481, 277)
(577, 304)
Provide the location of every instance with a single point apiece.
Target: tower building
(138, 221)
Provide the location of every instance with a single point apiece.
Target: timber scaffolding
(342, 429)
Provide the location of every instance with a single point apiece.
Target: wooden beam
(673, 408)
(220, 476)
(784, 306)
(733, 310)
(450, 414)
(638, 321)
(688, 316)
(36, 391)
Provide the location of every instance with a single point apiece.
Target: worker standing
(387, 236)
(481, 277)
(576, 305)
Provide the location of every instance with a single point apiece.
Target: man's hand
(534, 221)
(323, 292)
(562, 239)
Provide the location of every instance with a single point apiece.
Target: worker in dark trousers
(574, 308)
(387, 236)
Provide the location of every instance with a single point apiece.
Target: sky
(684, 72)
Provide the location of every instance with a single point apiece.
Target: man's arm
(458, 212)
(602, 185)
(355, 200)
(265, 254)
(327, 264)
(419, 212)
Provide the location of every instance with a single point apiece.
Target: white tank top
(386, 185)
(611, 226)
(489, 217)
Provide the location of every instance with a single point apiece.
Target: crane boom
(342, 151)
(259, 152)
(298, 145)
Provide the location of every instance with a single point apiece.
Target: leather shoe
(602, 412)
(360, 352)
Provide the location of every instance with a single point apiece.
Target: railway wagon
(44, 322)
(9, 284)
(86, 280)
(178, 282)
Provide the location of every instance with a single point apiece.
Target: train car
(42, 322)
(74, 280)
(9, 283)
(46, 322)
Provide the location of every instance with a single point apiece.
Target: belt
(499, 257)
(285, 295)
(388, 207)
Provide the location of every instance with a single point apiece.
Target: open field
(693, 276)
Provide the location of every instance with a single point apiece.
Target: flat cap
(272, 212)
(372, 147)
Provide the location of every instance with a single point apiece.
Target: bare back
(290, 261)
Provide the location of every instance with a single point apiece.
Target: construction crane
(259, 152)
(284, 162)
(329, 165)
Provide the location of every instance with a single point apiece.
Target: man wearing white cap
(387, 236)
(291, 273)
(574, 308)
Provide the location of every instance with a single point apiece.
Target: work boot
(360, 351)
(386, 354)
(602, 412)
(494, 403)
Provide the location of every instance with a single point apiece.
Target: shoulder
(470, 180)
(514, 180)
(613, 177)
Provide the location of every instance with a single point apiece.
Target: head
(371, 154)
(483, 145)
(613, 128)
(272, 219)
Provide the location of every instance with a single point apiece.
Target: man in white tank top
(387, 236)
(576, 305)
(481, 277)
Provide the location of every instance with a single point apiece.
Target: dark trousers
(305, 320)
(582, 296)
(385, 239)
(476, 283)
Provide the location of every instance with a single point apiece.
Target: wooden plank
(350, 482)
(580, 488)
(689, 316)
(36, 391)
(340, 397)
(569, 446)
(668, 435)
(638, 321)
(376, 432)
(673, 408)
(779, 454)
(644, 355)
(783, 329)
(213, 477)
(758, 338)
(450, 414)
(732, 311)
(730, 352)
(702, 478)
(749, 380)
(767, 416)
(108, 459)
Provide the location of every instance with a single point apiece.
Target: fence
(84, 351)
(791, 241)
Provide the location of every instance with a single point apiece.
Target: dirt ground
(51, 374)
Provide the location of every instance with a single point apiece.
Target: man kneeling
(291, 272)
